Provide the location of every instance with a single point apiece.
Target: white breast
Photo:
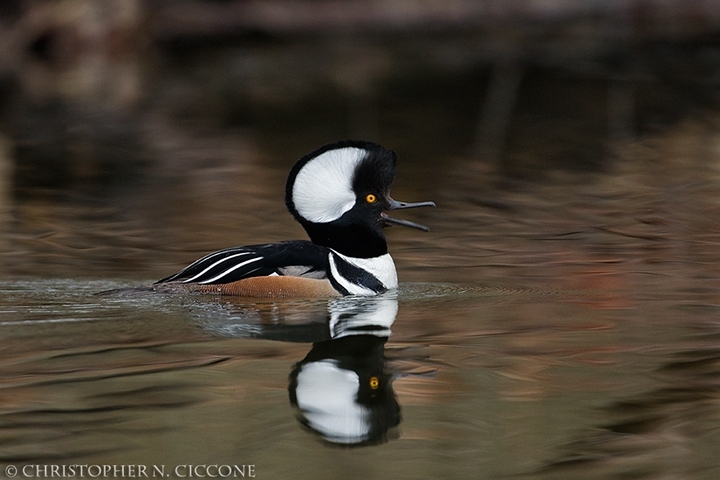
(382, 268)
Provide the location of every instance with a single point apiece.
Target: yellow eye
(374, 383)
(371, 198)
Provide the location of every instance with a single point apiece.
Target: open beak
(395, 205)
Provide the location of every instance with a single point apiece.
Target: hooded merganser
(339, 194)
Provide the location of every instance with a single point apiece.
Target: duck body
(291, 268)
(338, 193)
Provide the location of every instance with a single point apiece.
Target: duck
(340, 194)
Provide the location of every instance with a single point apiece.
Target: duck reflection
(341, 389)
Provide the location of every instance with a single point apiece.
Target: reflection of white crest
(327, 396)
(355, 315)
(328, 389)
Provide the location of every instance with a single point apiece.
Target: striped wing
(295, 258)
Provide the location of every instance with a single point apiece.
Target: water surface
(560, 319)
(524, 340)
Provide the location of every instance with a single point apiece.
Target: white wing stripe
(232, 269)
(214, 265)
(209, 256)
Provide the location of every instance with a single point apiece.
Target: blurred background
(560, 319)
(135, 134)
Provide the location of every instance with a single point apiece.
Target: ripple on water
(423, 291)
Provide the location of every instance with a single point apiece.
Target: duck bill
(395, 205)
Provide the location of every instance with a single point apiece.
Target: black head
(339, 194)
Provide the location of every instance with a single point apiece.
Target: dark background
(112, 111)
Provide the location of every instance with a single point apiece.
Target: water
(562, 323)
(522, 342)
(488, 380)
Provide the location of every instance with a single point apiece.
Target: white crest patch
(322, 191)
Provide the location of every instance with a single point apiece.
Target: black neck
(353, 240)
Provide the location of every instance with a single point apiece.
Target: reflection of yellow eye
(371, 198)
(374, 383)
